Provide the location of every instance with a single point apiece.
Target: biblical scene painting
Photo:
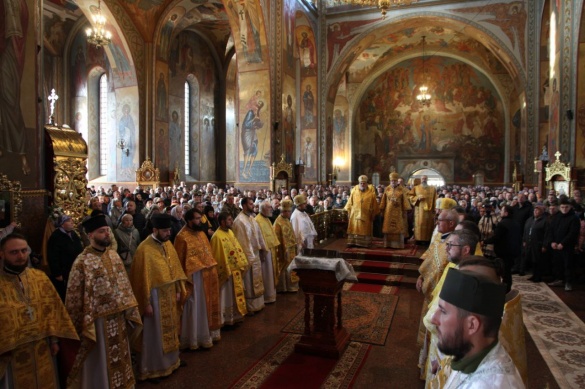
(341, 137)
(465, 119)
(126, 134)
(254, 135)
(251, 37)
(288, 118)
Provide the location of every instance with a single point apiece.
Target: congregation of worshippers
(153, 272)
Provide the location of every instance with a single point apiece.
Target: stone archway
(435, 177)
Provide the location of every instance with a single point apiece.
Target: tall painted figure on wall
(12, 52)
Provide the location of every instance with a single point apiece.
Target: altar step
(380, 266)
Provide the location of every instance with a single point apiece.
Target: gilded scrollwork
(70, 185)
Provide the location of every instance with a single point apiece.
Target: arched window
(103, 127)
(186, 132)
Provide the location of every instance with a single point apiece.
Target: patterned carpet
(557, 332)
(282, 368)
(366, 316)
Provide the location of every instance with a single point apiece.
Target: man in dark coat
(533, 242)
(507, 242)
(523, 210)
(63, 247)
(561, 238)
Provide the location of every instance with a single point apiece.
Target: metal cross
(53, 97)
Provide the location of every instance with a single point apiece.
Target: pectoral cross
(31, 312)
(53, 97)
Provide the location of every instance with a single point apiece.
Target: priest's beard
(454, 344)
(15, 269)
(424, 185)
(103, 242)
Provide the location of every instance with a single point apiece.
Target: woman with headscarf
(177, 221)
(128, 239)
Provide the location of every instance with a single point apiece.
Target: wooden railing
(330, 224)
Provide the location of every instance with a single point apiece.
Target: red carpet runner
(282, 368)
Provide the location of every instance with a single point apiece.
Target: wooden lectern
(322, 279)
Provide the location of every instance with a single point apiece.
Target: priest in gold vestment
(423, 198)
(252, 242)
(435, 260)
(160, 286)
(288, 281)
(201, 320)
(104, 311)
(32, 318)
(231, 264)
(393, 206)
(362, 207)
(269, 260)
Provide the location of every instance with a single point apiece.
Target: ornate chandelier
(424, 97)
(384, 5)
(98, 35)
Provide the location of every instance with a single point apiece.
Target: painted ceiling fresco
(146, 13)
(439, 40)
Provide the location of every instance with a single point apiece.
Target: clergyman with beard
(362, 207)
(393, 206)
(302, 224)
(159, 283)
(104, 312)
(423, 198)
(468, 320)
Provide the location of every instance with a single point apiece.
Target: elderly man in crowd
(393, 206)
(302, 224)
(201, 319)
(159, 284)
(423, 198)
(248, 232)
(270, 254)
(287, 250)
(362, 206)
(103, 309)
(31, 326)
(63, 247)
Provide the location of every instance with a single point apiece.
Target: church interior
(479, 92)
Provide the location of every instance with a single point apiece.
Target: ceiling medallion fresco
(439, 41)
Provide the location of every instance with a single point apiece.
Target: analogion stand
(322, 279)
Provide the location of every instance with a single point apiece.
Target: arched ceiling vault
(445, 34)
(374, 74)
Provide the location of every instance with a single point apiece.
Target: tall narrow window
(186, 127)
(104, 130)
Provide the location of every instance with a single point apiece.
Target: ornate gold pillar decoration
(67, 181)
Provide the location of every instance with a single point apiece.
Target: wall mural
(250, 36)
(465, 119)
(189, 59)
(341, 137)
(555, 72)
(254, 136)
(289, 124)
(17, 55)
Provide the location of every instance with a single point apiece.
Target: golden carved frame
(147, 175)
(557, 168)
(275, 174)
(13, 189)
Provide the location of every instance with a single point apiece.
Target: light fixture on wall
(384, 5)
(123, 147)
(424, 97)
(98, 35)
